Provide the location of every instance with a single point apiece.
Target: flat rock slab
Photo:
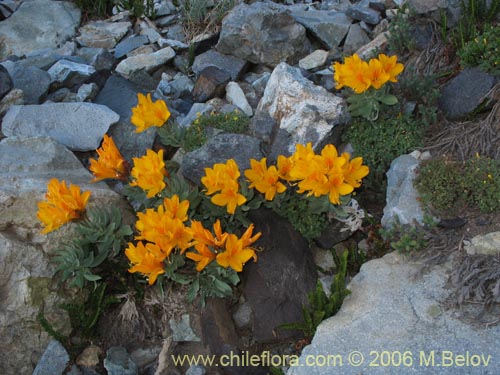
(78, 126)
(394, 308)
(37, 25)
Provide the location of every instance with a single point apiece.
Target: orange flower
(203, 258)
(175, 208)
(235, 254)
(205, 237)
(147, 260)
(391, 66)
(352, 73)
(247, 236)
(265, 180)
(285, 165)
(354, 171)
(377, 74)
(110, 164)
(62, 205)
(229, 197)
(149, 173)
(147, 113)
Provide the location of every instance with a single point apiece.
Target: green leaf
(389, 99)
(91, 277)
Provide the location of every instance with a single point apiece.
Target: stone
(78, 126)
(54, 360)
(196, 370)
(395, 307)
(180, 86)
(68, 73)
(486, 244)
(99, 58)
(228, 63)
(182, 331)
(329, 28)
(402, 200)
(377, 44)
(365, 14)
(242, 317)
(120, 95)
(118, 362)
(5, 82)
(323, 259)
(210, 83)
(33, 81)
(308, 113)
(14, 97)
(56, 21)
(90, 356)
(146, 62)
(260, 84)
(236, 96)
(263, 127)
(129, 44)
(145, 356)
(196, 110)
(465, 92)
(355, 39)
(218, 150)
(426, 6)
(276, 286)
(87, 92)
(333, 234)
(262, 33)
(102, 34)
(175, 44)
(314, 60)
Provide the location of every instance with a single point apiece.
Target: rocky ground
(65, 81)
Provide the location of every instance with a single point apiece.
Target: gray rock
(329, 27)
(69, 73)
(262, 34)
(145, 356)
(218, 150)
(102, 34)
(196, 370)
(377, 44)
(182, 331)
(314, 60)
(464, 93)
(145, 62)
(5, 82)
(33, 81)
(54, 360)
(129, 44)
(365, 14)
(263, 127)
(402, 198)
(236, 96)
(426, 6)
(394, 307)
(99, 58)
(120, 95)
(14, 97)
(260, 84)
(230, 64)
(333, 235)
(180, 86)
(307, 112)
(118, 362)
(276, 294)
(242, 317)
(486, 244)
(175, 44)
(210, 83)
(196, 108)
(78, 126)
(87, 92)
(56, 21)
(355, 39)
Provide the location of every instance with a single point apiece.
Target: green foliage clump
(400, 38)
(103, 8)
(447, 186)
(483, 51)
(406, 238)
(99, 237)
(138, 8)
(202, 16)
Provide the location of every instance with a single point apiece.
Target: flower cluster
(148, 113)
(62, 205)
(110, 163)
(149, 173)
(361, 75)
(264, 180)
(223, 180)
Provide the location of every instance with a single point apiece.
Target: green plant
(321, 306)
(202, 16)
(400, 38)
(138, 8)
(483, 51)
(99, 237)
(481, 183)
(95, 8)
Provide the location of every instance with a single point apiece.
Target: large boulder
(36, 25)
(26, 273)
(306, 112)
(262, 33)
(395, 321)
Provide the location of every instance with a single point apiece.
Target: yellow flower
(336, 186)
(147, 260)
(285, 165)
(110, 163)
(247, 236)
(205, 237)
(391, 66)
(235, 254)
(229, 197)
(175, 208)
(376, 73)
(62, 205)
(203, 258)
(147, 113)
(149, 173)
(354, 171)
(265, 180)
(352, 73)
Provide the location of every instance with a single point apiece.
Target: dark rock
(276, 286)
(332, 235)
(230, 64)
(329, 27)
(355, 39)
(454, 223)
(99, 58)
(118, 362)
(129, 44)
(120, 95)
(54, 360)
(69, 73)
(463, 94)
(218, 150)
(263, 127)
(5, 82)
(262, 33)
(422, 35)
(361, 13)
(33, 81)
(211, 83)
